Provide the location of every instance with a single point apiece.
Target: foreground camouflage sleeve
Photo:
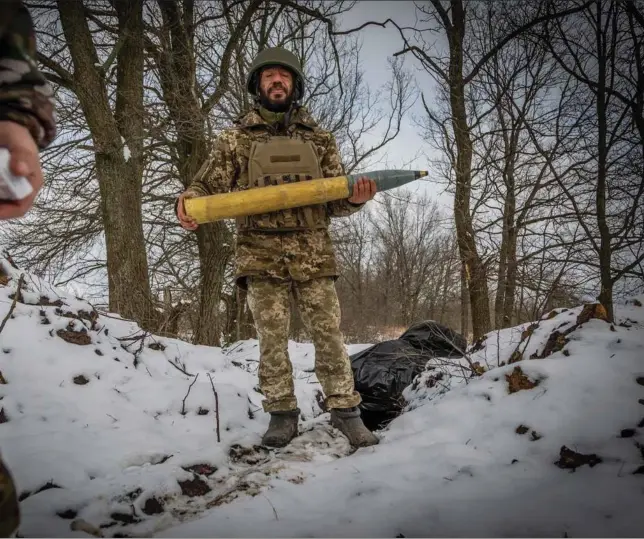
(25, 95)
(219, 172)
(332, 166)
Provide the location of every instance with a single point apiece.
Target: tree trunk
(475, 270)
(502, 273)
(214, 258)
(606, 293)
(449, 266)
(119, 175)
(177, 70)
(510, 280)
(465, 303)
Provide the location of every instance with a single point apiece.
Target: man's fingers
(17, 166)
(25, 161)
(186, 221)
(14, 209)
(189, 226)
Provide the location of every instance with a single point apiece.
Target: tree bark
(475, 270)
(177, 68)
(119, 177)
(606, 292)
(510, 280)
(465, 303)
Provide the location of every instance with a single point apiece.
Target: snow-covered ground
(114, 432)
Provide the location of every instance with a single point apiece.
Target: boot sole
(280, 445)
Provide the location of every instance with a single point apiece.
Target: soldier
(291, 250)
(27, 124)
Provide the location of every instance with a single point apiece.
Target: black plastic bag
(435, 338)
(383, 371)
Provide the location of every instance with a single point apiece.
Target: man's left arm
(331, 165)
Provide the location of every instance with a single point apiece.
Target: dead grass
(518, 381)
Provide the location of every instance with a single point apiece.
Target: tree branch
(63, 77)
(13, 304)
(224, 66)
(495, 50)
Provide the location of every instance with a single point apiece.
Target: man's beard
(273, 106)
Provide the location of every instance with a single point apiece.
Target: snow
(453, 464)
(126, 150)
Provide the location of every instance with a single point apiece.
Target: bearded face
(276, 88)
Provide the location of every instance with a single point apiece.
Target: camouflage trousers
(9, 508)
(317, 302)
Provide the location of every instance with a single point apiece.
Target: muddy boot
(9, 511)
(282, 428)
(348, 421)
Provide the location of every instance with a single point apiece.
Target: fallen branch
(183, 404)
(180, 369)
(138, 352)
(134, 337)
(274, 510)
(216, 406)
(13, 303)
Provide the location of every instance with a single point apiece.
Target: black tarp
(382, 371)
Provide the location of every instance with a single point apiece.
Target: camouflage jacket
(227, 168)
(25, 95)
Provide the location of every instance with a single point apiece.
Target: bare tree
(605, 190)
(101, 75)
(454, 72)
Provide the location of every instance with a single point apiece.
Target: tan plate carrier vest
(284, 160)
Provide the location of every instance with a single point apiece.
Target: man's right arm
(219, 171)
(217, 174)
(26, 97)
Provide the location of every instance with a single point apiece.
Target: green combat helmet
(276, 56)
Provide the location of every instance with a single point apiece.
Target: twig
(13, 303)
(10, 260)
(231, 350)
(183, 404)
(138, 352)
(182, 370)
(274, 510)
(498, 348)
(216, 406)
(122, 394)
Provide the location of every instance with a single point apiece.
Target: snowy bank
(114, 431)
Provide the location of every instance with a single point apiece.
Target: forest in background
(535, 125)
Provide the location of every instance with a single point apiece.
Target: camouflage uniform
(25, 95)
(289, 250)
(25, 98)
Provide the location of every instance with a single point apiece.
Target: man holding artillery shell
(277, 143)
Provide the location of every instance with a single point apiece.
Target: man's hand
(186, 222)
(25, 161)
(363, 191)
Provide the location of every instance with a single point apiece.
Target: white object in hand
(12, 187)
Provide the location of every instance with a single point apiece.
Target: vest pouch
(278, 161)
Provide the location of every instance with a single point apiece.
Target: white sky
(379, 44)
